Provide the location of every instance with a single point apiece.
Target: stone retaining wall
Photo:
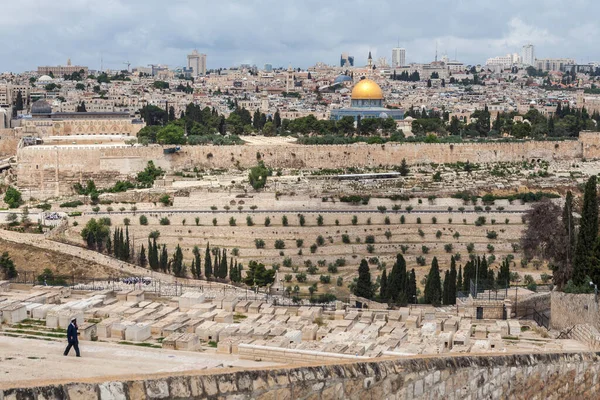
(52, 170)
(540, 302)
(569, 310)
(526, 376)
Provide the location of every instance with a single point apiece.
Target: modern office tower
(398, 57)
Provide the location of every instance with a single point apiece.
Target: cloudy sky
(300, 32)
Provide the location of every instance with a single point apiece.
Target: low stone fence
(278, 354)
(525, 376)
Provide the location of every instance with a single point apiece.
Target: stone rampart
(52, 170)
(569, 310)
(523, 376)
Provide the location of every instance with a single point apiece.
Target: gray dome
(41, 107)
(342, 78)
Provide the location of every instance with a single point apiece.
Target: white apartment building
(528, 55)
(553, 64)
(506, 61)
(398, 57)
(197, 62)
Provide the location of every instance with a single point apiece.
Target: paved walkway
(25, 362)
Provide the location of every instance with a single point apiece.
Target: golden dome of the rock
(367, 89)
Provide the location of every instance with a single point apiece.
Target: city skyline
(279, 33)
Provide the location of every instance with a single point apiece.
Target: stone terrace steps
(587, 334)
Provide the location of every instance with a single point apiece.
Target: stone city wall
(38, 165)
(523, 376)
(539, 302)
(569, 310)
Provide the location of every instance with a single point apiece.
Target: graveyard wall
(568, 310)
(525, 376)
(52, 170)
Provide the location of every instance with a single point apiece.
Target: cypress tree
(121, 254)
(383, 286)
(223, 268)
(564, 270)
(142, 260)
(177, 264)
(231, 264)
(397, 282)
(164, 259)
(446, 289)
(19, 101)
(433, 287)
(459, 280)
(588, 233)
(197, 262)
(504, 274)
(116, 243)
(207, 263)
(108, 245)
(452, 284)
(126, 246)
(411, 290)
(364, 286)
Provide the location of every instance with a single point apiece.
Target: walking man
(72, 338)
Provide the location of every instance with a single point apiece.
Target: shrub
(388, 234)
(284, 220)
(490, 248)
(126, 221)
(214, 222)
(235, 252)
(68, 204)
(409, 208)
(267, 221)
(165, 199)
(232, 221)
(470, 247)
(165, 221)
(301, 277)
(421, 261)
(370, 239)
(143, 220)
(259, 243)
(480, 221)
(288, 277)
(492, 235)
(312, 269)
(13, 198)
(249, 221)
(325, 279)
(382, 209)
(404, 248)
(320, 240)
(421, 233)
(456, 235)
(545, 277)
(448, 247)
(154, 235)
(345, 239)
(425, 249)
(438, 234)
(340, 281)
(402, 219)
(95, 209)
(301, 219)
(370, 248)
(287, 262)
(299, 243)
(332, 269)
(320, 220)
(369, 221)
(418, 220)
(354, 220)
(313, 248)
(386, 220)
(109, 209)
(434, 220)
(279, 244)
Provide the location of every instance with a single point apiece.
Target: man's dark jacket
(72, 334)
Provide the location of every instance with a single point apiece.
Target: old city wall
(51, 170)
(569, 310)
(524, 376)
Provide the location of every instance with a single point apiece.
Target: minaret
(370, 62)
(289, 82)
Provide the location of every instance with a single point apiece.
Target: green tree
(163, 261)
(95, 234)
(19, 101)
(403, 169)
(364, 286)
(208, 270)
(383, 287)
(588, 234)
(177, 266)
(171, 134)
(411, 290)
(142, 260)
(12, 197)
(7, 266)
(258, 176)
(153, 254)
(433, 287)
(197, 262)
(397, 282)
(258, 275)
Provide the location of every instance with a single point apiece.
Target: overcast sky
(300, 32)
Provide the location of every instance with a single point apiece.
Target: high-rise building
(346, 60)
(197, 62)
(528, 55)
(398, 57)
(268, 67)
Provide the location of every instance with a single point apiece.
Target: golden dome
(367, 89)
